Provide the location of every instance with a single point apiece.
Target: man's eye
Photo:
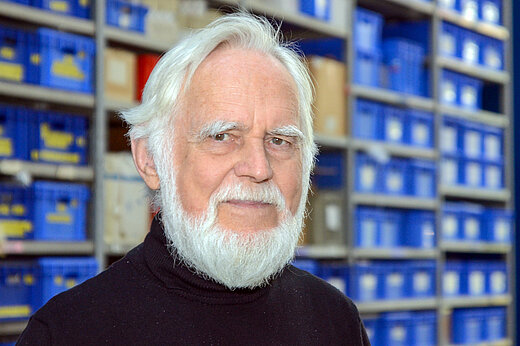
(221, 137)
(278, 141)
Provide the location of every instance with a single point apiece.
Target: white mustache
(267, 193)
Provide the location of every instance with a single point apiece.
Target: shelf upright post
(99, 137)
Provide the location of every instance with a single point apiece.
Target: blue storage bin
(319, 9)
(367, 69)
(329, 171)
(13, 133)
(395, 122)
(403, 61)
(452, 222)
(366, 278)
(78, 8)
(498, 225)
(423, 180)
(477, 278)
(16, 285)
(493, 175)
(452, 170)
(394, 280)
(416, 31)
(368, 221)
(451, 136)
(420, 229)
(468, 326)
(421, 128)
(367, 31)
(448, 92)
(469, 9)
(470, 92)
(449, 40)
(58, 274)
(470, 43)
(495, 324)
(61, 60)
(60, 211)
(421, 279)
(493, 143)
(473, 172)
(491, 11)
(368, 174)
(372, 329)
(392, 221)
(492, 53)
(368, 120)
(472, 138)
(396, 328)
(13, 46)
(22, 2)
(455, 279)
(496, 278)
(450, 4)
(471, 222)
(329, 47)
(126, 15)
(16, 211)
(58, 138)
(423, 329)
(336, 274)
(395, 177)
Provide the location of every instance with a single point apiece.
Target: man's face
(238, 123)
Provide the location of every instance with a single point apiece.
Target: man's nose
(254, 162)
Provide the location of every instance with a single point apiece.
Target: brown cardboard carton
(120, 70)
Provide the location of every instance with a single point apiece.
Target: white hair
(152, 119)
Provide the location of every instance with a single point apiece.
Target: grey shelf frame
(12, 328)
(397, 253)
(28, 247)
(397, 305)
(46, 170)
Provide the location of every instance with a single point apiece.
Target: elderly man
(224, 138)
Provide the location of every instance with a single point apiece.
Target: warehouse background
(412, 214)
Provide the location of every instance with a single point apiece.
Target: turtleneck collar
(176, 276)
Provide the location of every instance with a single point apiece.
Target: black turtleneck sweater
(145, 299)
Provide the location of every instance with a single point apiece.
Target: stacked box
(459, 90)
(462, 222)
(395, 175)
(479, 325)
(365, 281)
(498, 225)
(424, 329)
(368, 174)
(336, 274)
(491, 11)
(327, 47)
(420, 280)
(78, 8)
(368, 221)
(394, 126)
(404, 70)
(120, 71)
(372, 328)
(310, 266)
(367, 47)
(469, 46)
(454, 279)
(420, 128)
(329, 171)
(319, 9)
(449, 40)
(394, 283)
(477, 274)
(325, 225)
(126, 15)
(13, 133)
(16, 287)
(367, 120)
(423, 182)
(475, 278)
(469, 9)
(13, 46)
(496, 277)
(420, 229)
(391, 222)
(16, 212)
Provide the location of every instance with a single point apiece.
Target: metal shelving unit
(397, 253)
(392, 97)
(28, 247)
(502, 195)
(397, 305)
(394, 201)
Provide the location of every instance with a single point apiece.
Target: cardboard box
(120, 71)
(330, 104)
(325, 225)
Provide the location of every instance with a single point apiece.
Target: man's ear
(145, 164)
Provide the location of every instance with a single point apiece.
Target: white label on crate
(368, 177)
(469, 96)
(492, 58)
(471, 228)
(451, 283)
(447, 43)
(502, 230)
(470, 51)
(394, 130)
(472, 144)
(498, 282)
(320, 8)
(473, 174)
(338, 283)
(491, 147)
(490, 12)
(449, 226)
(428, 234)
(449, 172)
(447, 3)
(449, 139)
(117, 72)
(493, 174)
(124, 20)
(368, 233)
(395, 280)
(398, 333)
(470, 9)
(477, 283)
(333, 217)
(368, 282)
(421, 282)
(394, 181)
(449, 92)
(420, 134)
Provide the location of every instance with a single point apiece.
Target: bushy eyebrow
(216, 127)
(287, 131)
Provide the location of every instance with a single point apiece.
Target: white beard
(234, 259)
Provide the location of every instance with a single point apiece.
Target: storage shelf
(496, 31)
(392, 97)
(322, 251)
(478, 247)
(399, 8)
(12, 328)
(503, 342)
(136, 39)
(117, 105)
(404, 253)
(34, 247)
(39, 93)
(476, 193)
(118, 249)
(487, 74)
(331, 142)
(416, 5)
(395, 149)
(468, 301)
(395, 305)
(485, 117)
(47, 170)
(394, 201)
(42, 17)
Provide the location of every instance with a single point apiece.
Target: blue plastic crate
(493, 175)
(308, 265)
(451, 136)
(420, 229)
(493, 143)
(126, 15)
(491, 11)
(422, 177)
(368, 221)
(496, 277)
(60, 211)
(471, 222)
(455, 279)
(498, 225)
(421, 279)
(452, 222)
(329, 171)
(319, 9)
(22, 2)
(395, 177)
(473, 173)
(61, 60)
(365, 280)
(77, 8)
(392, 221)
(58, 138)
(368, 120)
(452, 168)
(336, 274)
(329, 47)
(495, 324)
(477, 278)
(449, 86)
(16, 211)
(492, 53)
(450, 4)
(394, 124)
(468, 326)
(472, 139)
(420, 128)
(449, 40)
(396, 328)
(367, 31)
(394, 280)
(16, 284)
(470, 43)
(13, 46)
(423, 331)
(367, 69)
(469, 92)
(403, 61)
(469, 9)
(416, 31)
(58, 274)
(372, 329)
(13, 133)
(368, 174)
